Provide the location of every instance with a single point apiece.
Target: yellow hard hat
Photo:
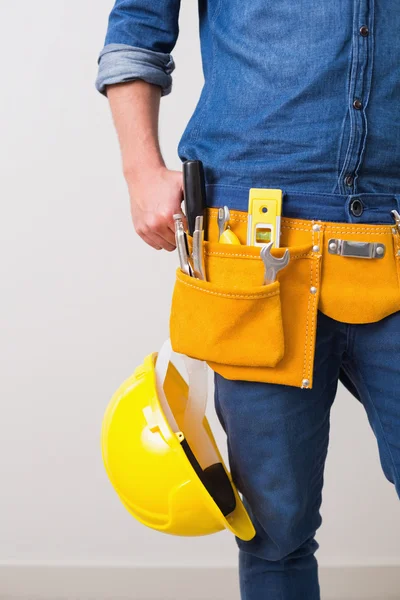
(161, 456)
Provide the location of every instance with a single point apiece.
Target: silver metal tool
(198, 249)
(182, 246)
(272, 263)
(223, 220)
(356, 249)
(396, 217)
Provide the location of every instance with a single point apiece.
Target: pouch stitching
(250, 256)
(312, 308)
(314, 312)
(315, 303)
(238, 220)
(326, 224)
(241, 296)
(397, 255)
(311, 323)
(295, 228)
(334, 229)
(288, 224)
(318, 283)
(308, 319)
(365, 229)
(307, 322)
(310, 338)
(360, 231)
(214, 212)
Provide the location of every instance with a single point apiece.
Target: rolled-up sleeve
(140, 37)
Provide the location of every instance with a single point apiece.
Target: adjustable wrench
(223, 220)
(272, 263)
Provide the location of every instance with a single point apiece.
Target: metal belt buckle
(356, 249)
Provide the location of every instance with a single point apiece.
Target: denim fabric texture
(305, 97)
(121, 63)
(298, 96)
(278, 440)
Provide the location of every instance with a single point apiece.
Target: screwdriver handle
(194, 187)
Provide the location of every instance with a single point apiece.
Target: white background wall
(83, 300)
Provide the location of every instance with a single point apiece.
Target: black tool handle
(194, 186)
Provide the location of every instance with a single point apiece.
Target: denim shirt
(302, 96)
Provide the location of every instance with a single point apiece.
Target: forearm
(135, 69)
(135, 109)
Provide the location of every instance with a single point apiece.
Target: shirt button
(357, 104)
(364, 31)
(349, 180)
(356, 207)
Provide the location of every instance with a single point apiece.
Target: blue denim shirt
(302, 96)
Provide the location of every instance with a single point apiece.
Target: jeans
(278, 435)
(277, 445)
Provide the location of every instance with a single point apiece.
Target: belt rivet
(305, 383)
(315, 248)
(316, 227)
(333, 246)
(313, 290)
(380, 250)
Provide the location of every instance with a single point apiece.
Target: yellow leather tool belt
(249, 331)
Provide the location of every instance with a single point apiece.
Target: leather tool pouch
(229, 319)
(249, 331)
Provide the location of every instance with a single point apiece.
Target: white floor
(103, 582)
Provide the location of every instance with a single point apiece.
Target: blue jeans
(277, 444)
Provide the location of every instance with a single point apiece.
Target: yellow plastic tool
(264, 217)
(161, 456)
(228, 237)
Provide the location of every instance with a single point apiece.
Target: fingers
(162, 239)
(168, 231)
(163, 242)
(157, 227)
(151, 243)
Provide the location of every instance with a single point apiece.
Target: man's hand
(156, 196)
(155, 192)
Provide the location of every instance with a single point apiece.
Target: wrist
(139, 172)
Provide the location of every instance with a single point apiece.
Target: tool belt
(248, 331)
